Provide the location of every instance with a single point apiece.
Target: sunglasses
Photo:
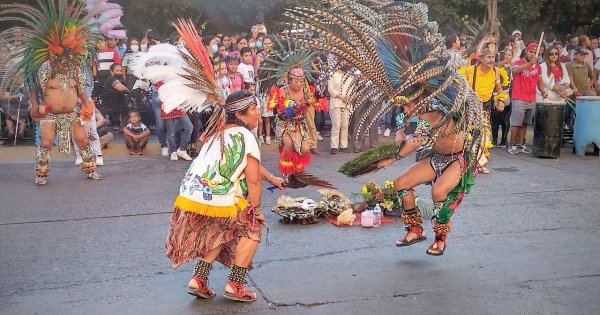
(553, 54)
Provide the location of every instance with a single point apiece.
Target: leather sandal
(240, 293)
(417, 229)
(202, 291)
(94, 176)
(437, 251)
(40, 181)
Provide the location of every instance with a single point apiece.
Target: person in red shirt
(526, 77)
(176, 120)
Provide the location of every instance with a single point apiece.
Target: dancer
(406, 64)
(217, 214)
(291, 69)
(58, 41)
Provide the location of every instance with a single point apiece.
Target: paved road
(525, 241)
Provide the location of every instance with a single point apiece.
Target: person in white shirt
(340, 88)
(246, 68)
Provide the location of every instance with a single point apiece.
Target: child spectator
(251, 87)
(245, 67)
(136, 134)
(233, 80)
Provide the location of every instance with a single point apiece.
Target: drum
(587, 128)
(547, 131)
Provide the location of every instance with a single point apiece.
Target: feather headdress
(54, 30)
(286, 57)
(400, 53)
(189, 81)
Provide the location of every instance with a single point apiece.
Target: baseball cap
(517, 32)
(532, 46)
(581, 50)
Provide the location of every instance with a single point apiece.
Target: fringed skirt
(192, 235)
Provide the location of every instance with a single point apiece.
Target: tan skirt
(193, 235)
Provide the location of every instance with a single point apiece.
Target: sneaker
(524, 149)
(268, 140)
(334, 151)
(387, 132)
(165, 151)
(182, 154)
(344, 150)
(513, 149)
(502, 144)
(99, 160)
(378, 130)
(78, 160)
(174, 156)
(261, 140)
(319, 137)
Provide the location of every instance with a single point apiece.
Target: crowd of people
(235, 92)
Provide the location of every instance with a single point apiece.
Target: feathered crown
(400, 53)
(189, 81)
(286, 57)
(55, 30)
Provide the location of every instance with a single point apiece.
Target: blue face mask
(258, 44)
(214, 48)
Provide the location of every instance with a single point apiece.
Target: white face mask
(135, 48)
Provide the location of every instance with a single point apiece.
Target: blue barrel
(587, 126)
(547, 130)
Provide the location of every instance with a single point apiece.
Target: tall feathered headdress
(286, 57)
(189, 81)
(54, 30)
(400, 53)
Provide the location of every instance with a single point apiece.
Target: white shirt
(247, 72)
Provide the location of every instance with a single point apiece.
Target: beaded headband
(240, 104)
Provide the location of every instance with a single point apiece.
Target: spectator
(161, 131)
(152, 38)
(580, 73)
(266, 114)
(555, 76)
(136, 134)
(133, 47)
(526, 75)
(245, 67)
(114, 98)
(259, 27)
(340, 87)
(210, 45)
(105, 58)
(177, 121)
(597, 76)
(241, 43)
(222, 76)
(113, 43)
(500, 119)
(518, 45)
(251, 87)
(585, 42)
(569, 54)
(15, 102)
(227, 43)
(234, 80)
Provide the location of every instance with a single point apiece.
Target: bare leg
(244, 253)
(10, 126)
(418, 173)
(522, 133)
(42, 156)
(439, 192)
(514, 134)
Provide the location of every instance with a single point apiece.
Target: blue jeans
(160, 124)
(184, 126)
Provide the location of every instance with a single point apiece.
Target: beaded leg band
(202, 269)
(441, 229)
(237, 274)
(412, 217)
(42, 165)
(88, 166)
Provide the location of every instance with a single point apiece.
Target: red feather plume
(193, 42)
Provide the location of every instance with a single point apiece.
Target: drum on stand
(548, 127)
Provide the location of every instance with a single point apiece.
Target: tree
(156, 14)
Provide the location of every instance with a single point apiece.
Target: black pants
(500, 119)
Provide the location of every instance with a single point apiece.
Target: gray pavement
(525, 241)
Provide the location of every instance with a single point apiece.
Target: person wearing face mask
(114, 97)
(133, 47)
